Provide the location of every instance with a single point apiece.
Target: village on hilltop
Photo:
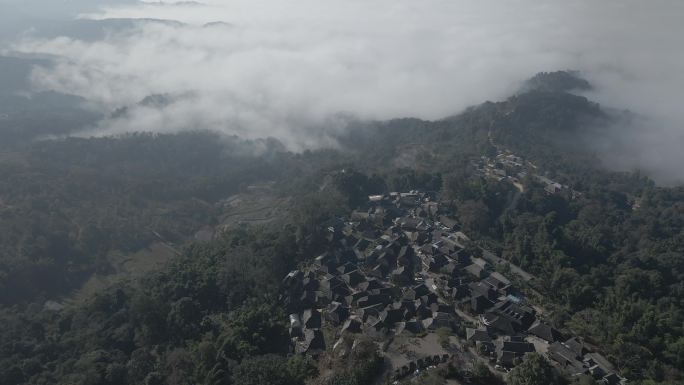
(508, 167)
(401, 273)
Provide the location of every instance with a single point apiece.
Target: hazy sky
(285, 68)
(17, 16)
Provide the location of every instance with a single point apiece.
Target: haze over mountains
(269, 69)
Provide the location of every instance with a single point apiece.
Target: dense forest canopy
(607, 252)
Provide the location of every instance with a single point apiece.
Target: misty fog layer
(288, 69)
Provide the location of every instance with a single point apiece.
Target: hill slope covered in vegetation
(606, 250)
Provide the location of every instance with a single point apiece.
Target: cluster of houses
(574, 357)
(512, 168)
(502, 167)
(401, 266)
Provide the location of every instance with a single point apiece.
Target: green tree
(534, 370)
(264, 370)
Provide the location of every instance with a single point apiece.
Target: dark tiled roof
(311, 319)
(517, 347)
(477, 335)
(545, 332)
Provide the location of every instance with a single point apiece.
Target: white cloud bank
(280, 68)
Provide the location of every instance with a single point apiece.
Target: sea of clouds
(290, 69)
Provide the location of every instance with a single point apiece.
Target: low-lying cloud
(284, 69)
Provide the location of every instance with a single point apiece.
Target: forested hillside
(606, 250)
(66, 204)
